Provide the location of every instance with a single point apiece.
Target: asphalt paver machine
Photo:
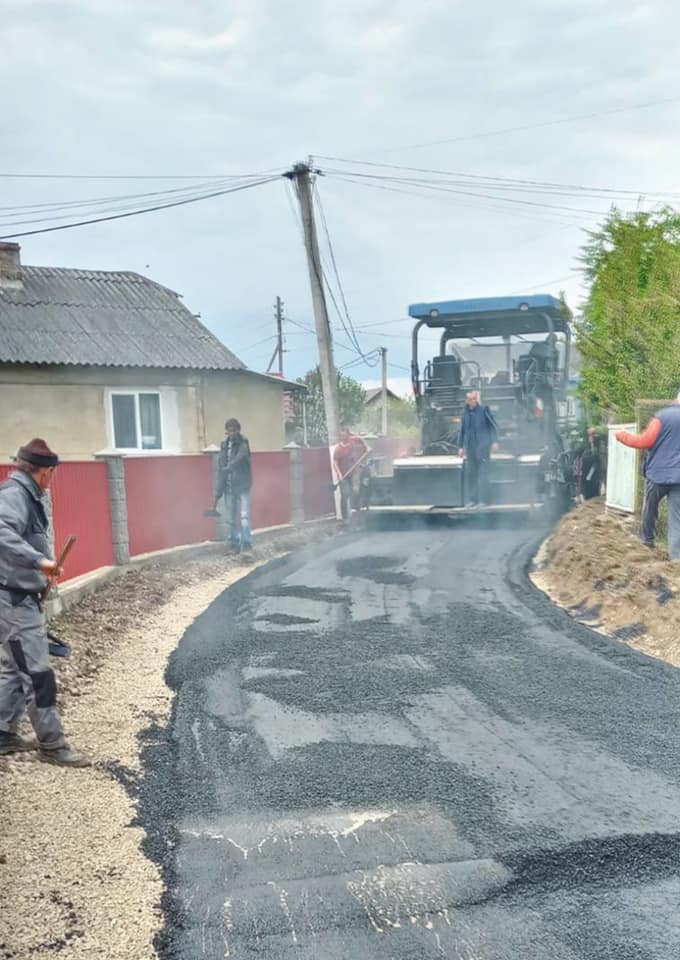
(527, 395)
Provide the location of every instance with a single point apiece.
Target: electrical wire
(138, 212)
(323, 282)
(443, 188)
(139, 176)
(47, 207)
(531, 126)
(532, 186)
(113, 206)
(432, 196)
(349, 330)
(345, 320)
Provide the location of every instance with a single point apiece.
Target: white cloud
(239, 85)
(179, 41)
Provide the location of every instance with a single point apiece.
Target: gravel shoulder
(594, 566)
(73, 878)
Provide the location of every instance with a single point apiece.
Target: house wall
(69, 406)
(257, 403)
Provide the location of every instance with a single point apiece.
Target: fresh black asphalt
(394, 747)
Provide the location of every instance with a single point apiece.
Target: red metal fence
(166, 497)
(318, 497)
(271, 489)
(80, 505)
(80, 500)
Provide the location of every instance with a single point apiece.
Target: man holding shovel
(26, 571)
(235, 483)
(349, 454)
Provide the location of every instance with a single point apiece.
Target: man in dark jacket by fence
(478, 436)
(235, 483)
(661, 438)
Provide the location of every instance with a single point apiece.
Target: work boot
(15, 743)
(247, 555)
(64, 757)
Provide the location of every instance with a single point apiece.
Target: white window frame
(121, 392)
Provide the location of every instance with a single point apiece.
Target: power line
(432, 196)
(113, 206)
(21, 209)
(346, 320)
(138, 176)
(530, 126)
(544, 283)
(440, 186)
(496, 182)
(307, 329)
(135, 213)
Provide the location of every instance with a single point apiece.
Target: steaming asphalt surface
(394, 748)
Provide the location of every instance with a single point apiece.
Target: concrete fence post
(120, 534)
(296, 467)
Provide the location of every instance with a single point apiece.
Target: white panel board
(622, 471)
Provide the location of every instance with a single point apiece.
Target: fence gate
(622, 471)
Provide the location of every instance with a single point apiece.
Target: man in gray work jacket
(26, 679)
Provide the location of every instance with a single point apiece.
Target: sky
(567, 92)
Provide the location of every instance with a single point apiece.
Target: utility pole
(278, 349)
(301, 175)
(279, 331)
(383, 358)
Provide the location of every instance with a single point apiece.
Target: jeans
(350, 494)
(238, 505)
(477, 476)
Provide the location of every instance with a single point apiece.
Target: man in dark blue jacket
(477, 438)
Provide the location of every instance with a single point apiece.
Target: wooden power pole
(383, 358)
(301, 175)
(278, 349)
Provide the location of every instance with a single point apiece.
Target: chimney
(10, 266)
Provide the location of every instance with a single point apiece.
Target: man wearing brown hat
(26, 679)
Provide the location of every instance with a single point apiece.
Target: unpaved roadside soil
(594, 566)
(73, 879)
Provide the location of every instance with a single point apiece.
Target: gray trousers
(654, 494)
(27, 681)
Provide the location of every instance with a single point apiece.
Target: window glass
(124, 421)
(150, 421)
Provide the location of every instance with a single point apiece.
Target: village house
(104, 362)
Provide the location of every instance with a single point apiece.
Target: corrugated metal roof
(95, 318)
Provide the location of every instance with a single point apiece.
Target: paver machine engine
(532, 467)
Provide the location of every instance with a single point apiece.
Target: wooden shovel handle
(61, 559)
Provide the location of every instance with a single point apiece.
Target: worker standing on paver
(235, 484)
(477, 438)
(349, 452)
(661, 438)
(26, 678)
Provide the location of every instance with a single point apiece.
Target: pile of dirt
(595, 566)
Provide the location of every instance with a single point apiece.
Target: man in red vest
(349, 451)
